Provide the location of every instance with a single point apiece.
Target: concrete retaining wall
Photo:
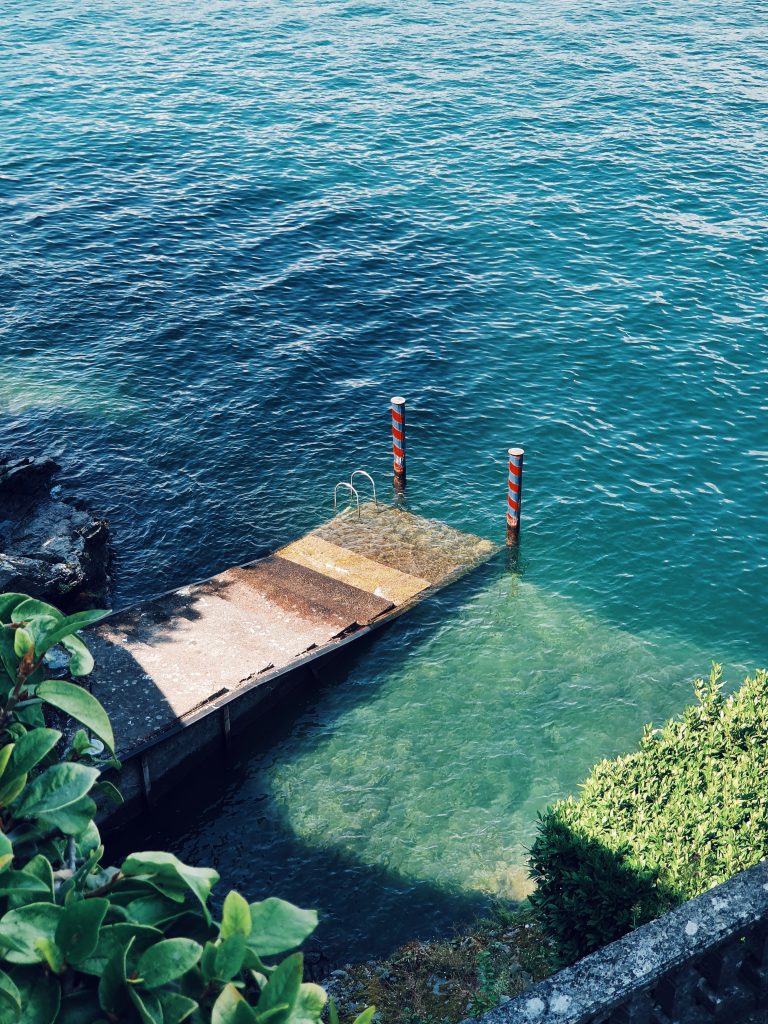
(704, 963)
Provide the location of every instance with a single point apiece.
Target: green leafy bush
(650, 830)
(82, 943)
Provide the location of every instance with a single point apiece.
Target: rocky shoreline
(51, 547)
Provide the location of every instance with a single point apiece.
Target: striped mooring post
(514, 493)
(398, 438)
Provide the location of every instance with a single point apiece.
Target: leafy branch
(85, 943)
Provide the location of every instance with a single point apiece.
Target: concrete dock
(179, 673)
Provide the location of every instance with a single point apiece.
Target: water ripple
(231, 233)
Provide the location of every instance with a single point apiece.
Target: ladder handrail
(373, 485)
(343, 483)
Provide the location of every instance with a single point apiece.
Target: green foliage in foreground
(650, 830)
(82, 943)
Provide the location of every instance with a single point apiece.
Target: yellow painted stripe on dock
(357, 570)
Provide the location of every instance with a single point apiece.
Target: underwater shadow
(366, 910)
(225, 815)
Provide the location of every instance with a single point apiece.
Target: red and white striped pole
(514, 493)
(398, 438)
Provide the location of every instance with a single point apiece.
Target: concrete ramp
(363, 573)
(303, 592)
(396, 539)
(166, 659)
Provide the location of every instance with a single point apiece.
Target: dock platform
(179, 673)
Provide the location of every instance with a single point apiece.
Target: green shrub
(650, 830)
(83, 943)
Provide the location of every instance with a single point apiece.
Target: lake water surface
(230, 232)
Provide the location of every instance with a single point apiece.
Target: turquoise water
(230, 233)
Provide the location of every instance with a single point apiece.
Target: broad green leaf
(80, 1008)
(8, 654)
(277, 1015)
(8, 985)
(193, 986)
(231, 1008)
(235, 916)
(166, 869)
(6, 853)
(29, 750)
(366, 1016)
(253, 962)
(80, 705)
(21, 929)
(40, 995)
(333, 1013)
(113, 938)
(70, 624)
(72, 820)
(153, 910)
(170, 888)
(148, 1005)
(283, 985)
(208, 961)
(30, 712)
(89, 841)
(91, 876)
(41, 868)
(32, 608)
(176, 1007)
(277, 926)
(77, 933)
(5, 756)
(38, 627)
(59, 786)
(10, 1010)
(10, 1000)
(110, 792)
(113, 985)
(134, 888)
(22, 642)
(244, 1014)
(50, 953)
(230, 954)
(80, 658)
(11, 790)
(17, 882)
(168, 960)
(309, 1005)
(7, 604)
(81, 742)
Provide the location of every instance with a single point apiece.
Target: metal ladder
(353, 490)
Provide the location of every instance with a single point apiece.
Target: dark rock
(316, 962)
(49, 548)
(24, 481)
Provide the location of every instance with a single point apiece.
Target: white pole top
(398, 401)
(516, 452)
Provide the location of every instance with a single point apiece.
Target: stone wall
(704, 963)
